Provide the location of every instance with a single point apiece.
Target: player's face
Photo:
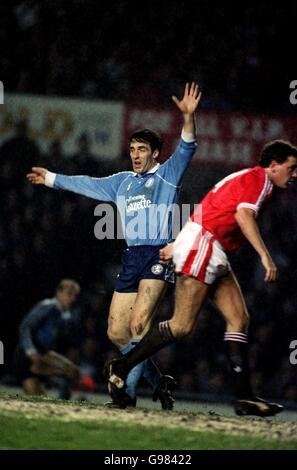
(67, 298)
(282, 174)
(142, 157)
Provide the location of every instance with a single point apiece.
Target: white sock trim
(236, 336)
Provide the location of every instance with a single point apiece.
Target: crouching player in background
(41, 332)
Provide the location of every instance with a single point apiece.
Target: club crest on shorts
(149, 183)
(157, 269)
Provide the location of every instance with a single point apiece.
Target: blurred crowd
(47, 235)
(119, 51)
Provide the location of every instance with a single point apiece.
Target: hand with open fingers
(189, 103)
(37, 176)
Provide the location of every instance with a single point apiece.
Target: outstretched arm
(102, 189)
(188, 105)
(246, 220)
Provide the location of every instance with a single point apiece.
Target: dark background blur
(243, 59)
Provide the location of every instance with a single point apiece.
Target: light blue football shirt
(145, 202)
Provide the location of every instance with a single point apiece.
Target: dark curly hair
(148, 136)
(278, 150)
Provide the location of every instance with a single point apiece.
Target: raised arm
(173, 169)
(188, 105)
(246, 220)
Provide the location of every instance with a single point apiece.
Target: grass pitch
(44, 423)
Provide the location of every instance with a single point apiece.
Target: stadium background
(78, 78)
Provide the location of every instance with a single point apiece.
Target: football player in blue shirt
(42, 331)
(145, 198)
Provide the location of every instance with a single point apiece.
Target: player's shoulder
(47, 302)
(123, 175)
(47, 305)
(126, 173)
(242, 179)
(43, 307)
(255, 172)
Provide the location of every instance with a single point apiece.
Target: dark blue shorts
(142, 262)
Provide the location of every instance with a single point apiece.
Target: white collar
(152, 170)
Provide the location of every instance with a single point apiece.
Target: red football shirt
(250, 188)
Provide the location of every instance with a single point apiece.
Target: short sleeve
(252, 190)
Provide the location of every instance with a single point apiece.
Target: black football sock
(157, 337)
(237, 353)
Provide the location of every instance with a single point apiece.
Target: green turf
(23, 433)
(18, 431)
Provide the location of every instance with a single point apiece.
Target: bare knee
(118, 329)
(111, 333)
(118, 336)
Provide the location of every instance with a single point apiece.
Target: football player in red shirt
(225, 218)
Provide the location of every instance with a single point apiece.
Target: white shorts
(196, 253)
